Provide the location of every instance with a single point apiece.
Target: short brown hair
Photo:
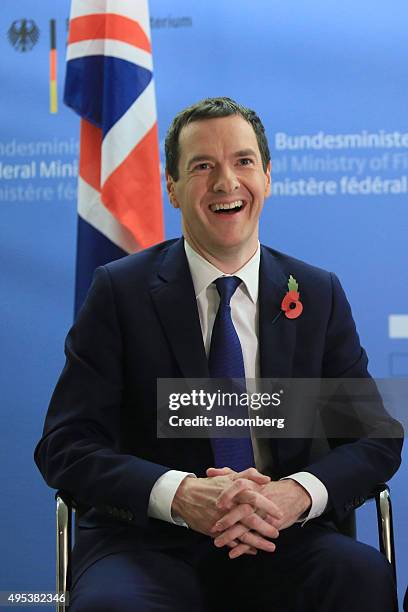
(211, 108)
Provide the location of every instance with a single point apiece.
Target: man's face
(221, 186)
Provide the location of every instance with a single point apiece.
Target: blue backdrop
(330, 83)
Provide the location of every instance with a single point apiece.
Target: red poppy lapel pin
(291, 305)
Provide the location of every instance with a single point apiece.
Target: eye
(202, 166)
(245, 161)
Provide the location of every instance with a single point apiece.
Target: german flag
(53, 68)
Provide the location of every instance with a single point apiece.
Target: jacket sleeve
(353, 467)
(79, 448)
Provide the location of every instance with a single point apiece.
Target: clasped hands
(243, 511)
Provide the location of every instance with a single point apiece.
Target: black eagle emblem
(23, 34)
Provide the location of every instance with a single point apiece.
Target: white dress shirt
(244, 311)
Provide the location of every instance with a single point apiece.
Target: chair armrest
(382, 497)
(63, 544)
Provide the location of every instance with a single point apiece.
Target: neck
(228, 260)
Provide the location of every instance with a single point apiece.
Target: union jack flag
(109, 83)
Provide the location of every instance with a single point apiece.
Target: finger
(233, 516)
(248, 549)
(262, 503)
(240, 532)
(271, 520)
(245, 514)
(211, 472)
(253, 474)
(256, 523)
(257, 541)
(230, 535)
(250, 473)
(242, 549)
(238, 493)
(226, 498)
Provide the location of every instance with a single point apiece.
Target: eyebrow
(200, 158)
(246, 153)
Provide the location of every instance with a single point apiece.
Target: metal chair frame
(66, 506)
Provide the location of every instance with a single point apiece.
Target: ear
(268, 180)
(171, 192)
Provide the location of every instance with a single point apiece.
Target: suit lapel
(277, 334)
(173, 295)
(277, 337)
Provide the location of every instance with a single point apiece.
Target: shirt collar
(204, 273)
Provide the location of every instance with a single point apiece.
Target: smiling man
(220, 184)
(220, 525)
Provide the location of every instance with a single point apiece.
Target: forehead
(216, 136)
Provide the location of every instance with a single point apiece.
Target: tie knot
(226, 286)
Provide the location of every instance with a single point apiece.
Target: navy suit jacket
(139, 323)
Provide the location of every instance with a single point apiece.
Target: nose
(226, 180)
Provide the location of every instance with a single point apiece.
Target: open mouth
(227, 208)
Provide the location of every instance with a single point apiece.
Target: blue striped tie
(226, 361)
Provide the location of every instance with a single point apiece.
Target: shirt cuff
(162, 495)
(317, 492)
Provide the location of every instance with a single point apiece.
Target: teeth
(226, 206)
